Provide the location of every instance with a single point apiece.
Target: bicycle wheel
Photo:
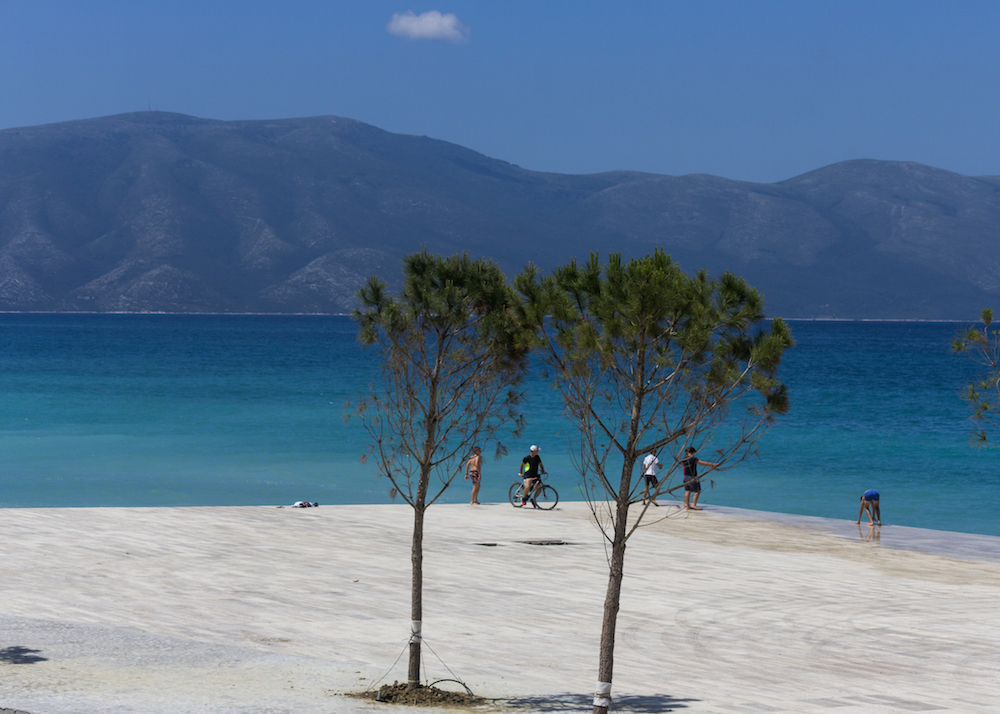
(546, 497)
(515, 493)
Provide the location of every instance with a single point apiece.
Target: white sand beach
(263, 610)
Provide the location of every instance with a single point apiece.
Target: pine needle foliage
(982, 346)
(452, 357)
(647, 360)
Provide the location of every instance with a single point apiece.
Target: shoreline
(250, 609)
(931, 541)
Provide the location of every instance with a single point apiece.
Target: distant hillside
(163, 212)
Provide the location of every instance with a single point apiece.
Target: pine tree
(451, 362)
(650, 360)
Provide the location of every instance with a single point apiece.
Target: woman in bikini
(474, 470)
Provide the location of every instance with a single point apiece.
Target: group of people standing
(532, 470)
(692, 482)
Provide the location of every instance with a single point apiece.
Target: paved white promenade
(284, 610)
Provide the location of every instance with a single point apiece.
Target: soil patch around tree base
(397, 693)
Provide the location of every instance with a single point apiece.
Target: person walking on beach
(869, 504)
(649, 465)
(474, 470)
(692, 483)
(531, 467)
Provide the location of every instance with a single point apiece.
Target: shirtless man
(474, 470)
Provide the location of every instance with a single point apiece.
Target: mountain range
(154, 211)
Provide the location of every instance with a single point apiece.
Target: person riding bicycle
(531, 467)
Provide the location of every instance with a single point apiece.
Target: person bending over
(869, 505)
(531, 467)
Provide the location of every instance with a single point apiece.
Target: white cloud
(428, 26)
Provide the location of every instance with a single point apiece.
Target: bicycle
(542, 496)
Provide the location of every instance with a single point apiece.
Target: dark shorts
(651, 481)
(870, 495)
(692, 484)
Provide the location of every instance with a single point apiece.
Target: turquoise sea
(171, 410)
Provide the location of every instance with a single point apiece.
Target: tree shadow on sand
(20, 655)
(583, 702)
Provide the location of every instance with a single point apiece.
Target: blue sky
(759, 91)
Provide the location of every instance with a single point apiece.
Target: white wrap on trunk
(602, 694)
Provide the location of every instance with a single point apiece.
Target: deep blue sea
(172, 410)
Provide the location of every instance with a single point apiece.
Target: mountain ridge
(161, 212)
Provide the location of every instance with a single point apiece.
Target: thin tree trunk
(417, 552)
(606, 665)
(416, 595)
(612, 601)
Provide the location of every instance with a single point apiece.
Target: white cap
(533, 448)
